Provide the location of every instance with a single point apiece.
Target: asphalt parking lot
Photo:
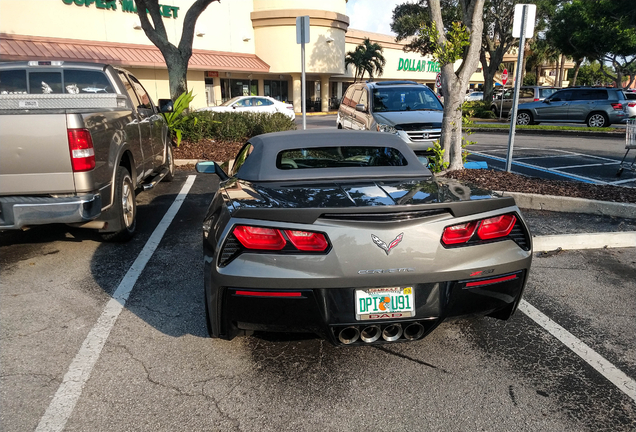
(99, 336)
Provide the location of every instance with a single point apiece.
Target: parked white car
(256, 104)
(631, 104)
(474, 96)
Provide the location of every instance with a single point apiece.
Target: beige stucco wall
(274, 23)
(278, 48)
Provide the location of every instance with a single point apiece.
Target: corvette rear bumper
(328, 312)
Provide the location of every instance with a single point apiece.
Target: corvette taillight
(458, 233)
(495, 227)
(307, 241)
(259, 238)
(485, 229)
(272, 239)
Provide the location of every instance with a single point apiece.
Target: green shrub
(477, 109)
(176, 118)
(234, 127)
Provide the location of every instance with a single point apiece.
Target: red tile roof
(19, 47)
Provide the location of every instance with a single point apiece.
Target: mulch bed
(505, 181)
(207, 149)
(490, 179)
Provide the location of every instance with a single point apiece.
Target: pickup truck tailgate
(34, 155)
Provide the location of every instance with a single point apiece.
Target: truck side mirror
(166, 105)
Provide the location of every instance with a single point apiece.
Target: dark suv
(597, 107)
(503, 102)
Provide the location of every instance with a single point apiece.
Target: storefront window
(277, 90)
(238, 87)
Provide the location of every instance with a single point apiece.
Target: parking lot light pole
(523, 26)
(515, 98)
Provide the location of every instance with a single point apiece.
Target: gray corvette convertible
(347, 235)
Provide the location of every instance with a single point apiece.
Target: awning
(19, 47)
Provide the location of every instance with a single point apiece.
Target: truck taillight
(80, 144)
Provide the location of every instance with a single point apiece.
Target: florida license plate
(385, 303)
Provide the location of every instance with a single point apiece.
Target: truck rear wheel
(124, 206)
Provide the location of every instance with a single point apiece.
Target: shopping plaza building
(241, 47)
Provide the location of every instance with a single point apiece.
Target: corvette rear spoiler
(310, 215)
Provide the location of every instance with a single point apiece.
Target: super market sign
(414, 65)
(166, 11)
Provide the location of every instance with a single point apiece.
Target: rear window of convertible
(339, 157)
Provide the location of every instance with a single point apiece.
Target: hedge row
(232, 126)
(477, 109)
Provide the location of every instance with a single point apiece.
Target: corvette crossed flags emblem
(382, 245)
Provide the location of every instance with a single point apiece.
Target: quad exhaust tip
(370, 334)
(392, 332)
(414, 331)
(349, 335)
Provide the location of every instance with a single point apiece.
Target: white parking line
(624, 383)
(585, 165)
(67, 395)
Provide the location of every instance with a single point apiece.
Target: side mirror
(166, 105)
(361, 108)
(209, 167)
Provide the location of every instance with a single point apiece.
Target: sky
(372, 15)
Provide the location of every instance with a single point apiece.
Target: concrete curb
(572, 205)
(585, 241)
(182, 162)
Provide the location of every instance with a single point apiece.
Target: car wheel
(524, 118)
(597, 120)
(169, 162)
(495, 111)
(125, 207)
(339, 126)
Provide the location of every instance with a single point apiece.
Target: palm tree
(366, 58)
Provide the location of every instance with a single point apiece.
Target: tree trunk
(577, 67)
(454, 83)
(557, 75)
(177, 74)
(562, 71)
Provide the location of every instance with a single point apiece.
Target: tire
(169, 162)
(495, 111)
(524, 118)
(597, 119)
(124, 206)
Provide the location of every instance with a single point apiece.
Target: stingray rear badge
(382, 245)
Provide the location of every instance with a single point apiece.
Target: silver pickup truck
(77, 141)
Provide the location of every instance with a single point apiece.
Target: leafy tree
(590, 74)
(366, 58)
(496, 41)
(448, 41)
(601, 30)
(176, 57)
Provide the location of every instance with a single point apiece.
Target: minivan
(405, 108)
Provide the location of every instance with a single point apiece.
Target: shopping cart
(630, 143)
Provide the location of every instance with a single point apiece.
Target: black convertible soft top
(261, 165)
